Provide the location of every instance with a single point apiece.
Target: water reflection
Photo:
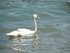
(24, 41)
(4, 47)
(13, 48)
(35, 37)
(21, 44)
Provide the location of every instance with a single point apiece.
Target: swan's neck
(35, 25)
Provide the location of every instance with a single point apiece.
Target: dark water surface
(53, 27)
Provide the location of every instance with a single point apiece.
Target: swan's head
(35, 16)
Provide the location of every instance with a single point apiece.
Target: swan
(25, 32)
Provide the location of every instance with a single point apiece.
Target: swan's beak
(38, 17)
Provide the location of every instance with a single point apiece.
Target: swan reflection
(22, 43)
(22, 39)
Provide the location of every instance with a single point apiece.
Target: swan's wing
(13, 33)
(22, 29)
(25, 32)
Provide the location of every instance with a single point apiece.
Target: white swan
(25, 32)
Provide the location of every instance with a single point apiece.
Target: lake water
(53, 26)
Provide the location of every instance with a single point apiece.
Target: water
(53, 27)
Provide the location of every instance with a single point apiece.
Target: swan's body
(25, 32)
